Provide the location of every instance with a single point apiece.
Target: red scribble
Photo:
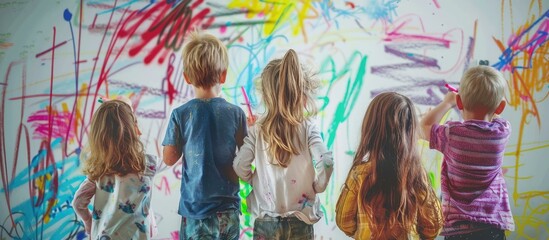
(46, 145)
(350, 4)
(50, 49)
(21, 131)
(102, 75)
(169, 72)
(436, 3)
(174, 235)
(169, 26)
(50, 121)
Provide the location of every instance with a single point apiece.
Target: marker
(247, 101)
(100, 100)
(453, 89)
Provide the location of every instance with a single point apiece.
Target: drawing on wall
(57, 58)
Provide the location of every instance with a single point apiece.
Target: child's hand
(251, 120)
(450, 98)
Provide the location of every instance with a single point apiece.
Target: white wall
(358, 49)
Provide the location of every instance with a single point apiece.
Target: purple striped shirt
(473, 188)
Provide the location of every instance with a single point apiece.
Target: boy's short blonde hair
(205, 59)
(482, 87)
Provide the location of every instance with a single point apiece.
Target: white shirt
(121, 205)
(290, 191)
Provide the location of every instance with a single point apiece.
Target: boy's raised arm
(434, 115)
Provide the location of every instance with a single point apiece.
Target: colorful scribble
(52, 78)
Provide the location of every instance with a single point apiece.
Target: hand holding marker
(251, 118)
(453, 89)
(479, 62)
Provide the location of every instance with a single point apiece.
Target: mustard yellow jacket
(355, 222)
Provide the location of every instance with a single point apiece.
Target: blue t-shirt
(206, 130)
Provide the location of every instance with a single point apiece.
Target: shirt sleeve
(324, 161)
(242, 163)
(439, 137)
(430, 219)
(172, 137)
(243, 122)
(81, 200)
(347, 206)
(151, 164)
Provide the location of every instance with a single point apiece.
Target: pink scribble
(223, 29)
(175, 235)
(164, 183)
(436, 3)
(177, 170)
(244, 231)
(60, 124)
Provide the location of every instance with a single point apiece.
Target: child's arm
(324, 165)
(242, 163)
(347, 206)
(172, 150)
(80, 203)
(242, 130)
(433, 117)
(171, 154)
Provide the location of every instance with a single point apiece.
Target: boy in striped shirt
(474, 194)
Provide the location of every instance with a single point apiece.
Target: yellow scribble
(278, 13)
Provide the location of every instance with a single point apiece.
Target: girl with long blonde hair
(119, 177)
(282, 144)
(387, 194)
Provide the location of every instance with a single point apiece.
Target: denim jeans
(222, 225)
(282, 228)
(486, 234)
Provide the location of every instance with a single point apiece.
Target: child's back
(387, 194)
(474, 193)
(208, 128)
(286, 191)
(206, 132)
(119, 177)
(292, 163)
(472, 181)
(121, 204)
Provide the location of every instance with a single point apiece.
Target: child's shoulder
(228, 105)
(151, 162)
(360, 171)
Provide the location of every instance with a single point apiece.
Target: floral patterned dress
(121, 205)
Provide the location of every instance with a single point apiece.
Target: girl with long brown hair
(387, 194)
(282, 145)
(119, 177)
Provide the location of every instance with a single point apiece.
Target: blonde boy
(475, 200)
(205, 133)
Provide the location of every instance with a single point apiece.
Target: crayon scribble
(74, 52)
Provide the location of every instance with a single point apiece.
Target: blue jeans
(222, 225)
(486, 234)
(282, 228)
